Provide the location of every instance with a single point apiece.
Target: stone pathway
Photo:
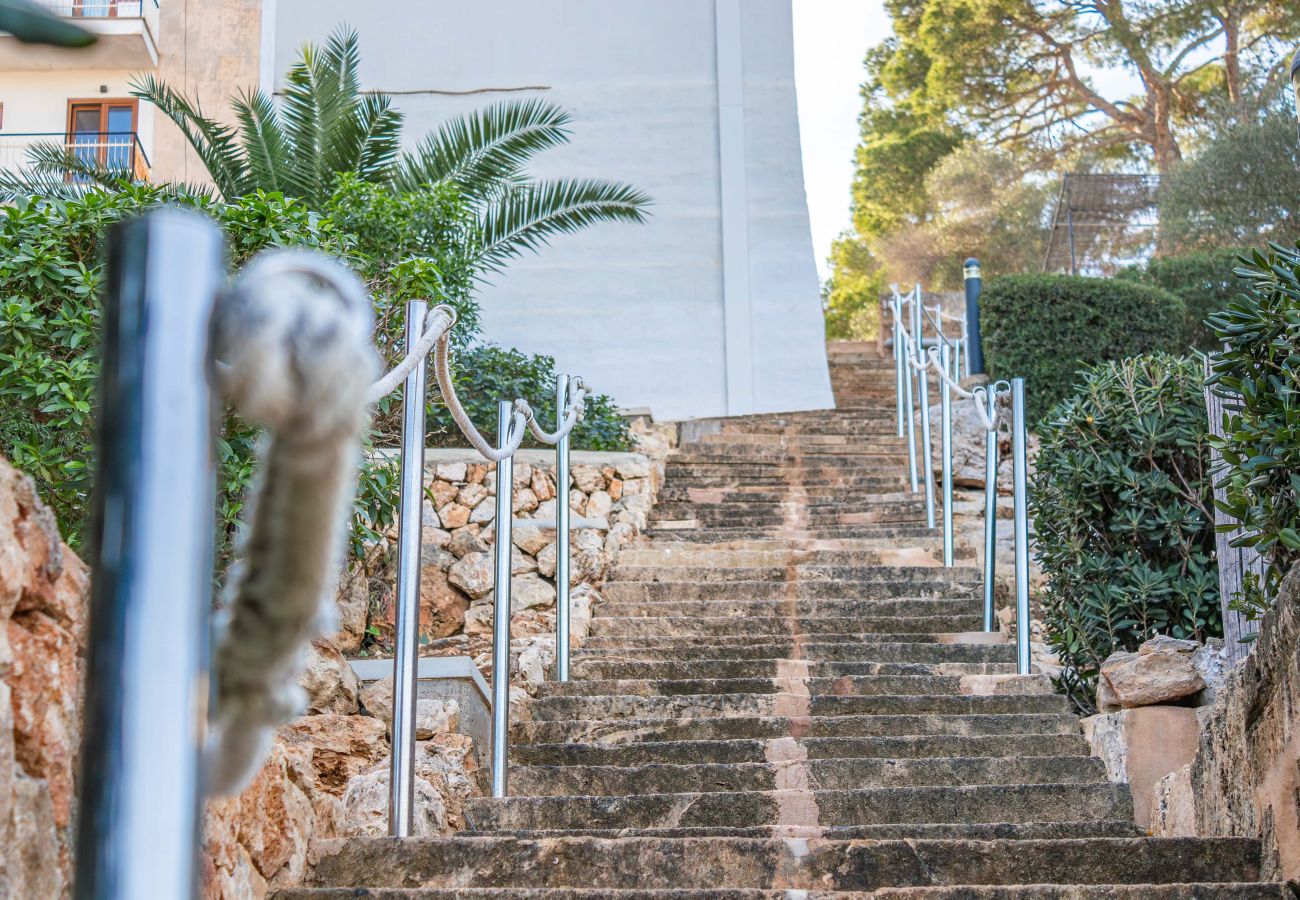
(768, 707)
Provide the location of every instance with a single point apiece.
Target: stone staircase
(776, 701)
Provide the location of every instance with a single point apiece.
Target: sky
(831, 37)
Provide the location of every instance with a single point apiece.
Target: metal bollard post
(1020, 470)
(561, 534)
(406, 631)
(923, 378)
(945, 430)
(990, 508)
(501, 606)
(152, 526)
(900, 363)
(974, 287)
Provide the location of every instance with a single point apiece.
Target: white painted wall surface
(637, 310)
(37, 102)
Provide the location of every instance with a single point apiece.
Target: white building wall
(637, 310)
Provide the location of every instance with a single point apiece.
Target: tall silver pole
(906, 351)
(561, 534)
(945, 431)
(406, 632)
(900, 364)
(990, 507)
(501, 605)
(144, 711)
(1020, 475)
(923, 378)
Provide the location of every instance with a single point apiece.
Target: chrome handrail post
(501, 605)
(923, 377)
(900, 364)
(990, 506)
(562, 534)
(945, 429)
(1020, 477)
(406, 631)
(152, 525)
(908, 401)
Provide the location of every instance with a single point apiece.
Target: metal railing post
(406, 639)
(923, 377)
(907, 354)
(152, 526)
(1020, 475)
(945, 428)
(900, 362)
(561, 534)
(501, 605)
(990, 507)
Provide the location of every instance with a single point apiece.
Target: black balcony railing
(120, 151)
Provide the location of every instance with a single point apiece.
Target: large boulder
(1148, 678)
(329, 681)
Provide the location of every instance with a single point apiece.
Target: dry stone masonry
(770, 704)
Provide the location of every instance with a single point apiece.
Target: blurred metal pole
(501, 606)
(561, 533)
(900, 363)
(974, 287)
(152, 526)
(406, 631)
(1020, 476)
(990, 508)
(906, 351)
(945, 431)
(923, 377)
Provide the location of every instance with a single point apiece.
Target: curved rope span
(293, 334)
(437, 322)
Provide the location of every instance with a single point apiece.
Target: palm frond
(301, 113)
(270, 158)
(528, 217)
(378, 130)
(214, 143)
(484, 148)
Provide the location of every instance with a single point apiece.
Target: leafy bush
(1259, 375)
(1204, 280)
(1045, 328)
(486, 374)
(1123, 516)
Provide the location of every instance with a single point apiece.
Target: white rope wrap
(437, 323)
(577, 403)
(292, 333)
(978, 396)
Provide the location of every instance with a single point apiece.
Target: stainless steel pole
(1020, 475)
(923, 377)
(147, 657)
(561, 534)
(900, 364)
(906, 351)
(945, 431)
(501, 606)
(990, 508)
(406, 631)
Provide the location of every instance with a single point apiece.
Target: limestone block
(432, 716)
(485, 512)
(1141, 746)
(465, 541)
(473, 574)
(453, 516)
(328, 680)
(530, 538)
(588, 478)
(365, 806)
(452, 471)
(441, 493)
(471, 495)
(1144, 679)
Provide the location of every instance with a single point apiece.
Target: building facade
(712, 308)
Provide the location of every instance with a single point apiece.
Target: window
(103, 132)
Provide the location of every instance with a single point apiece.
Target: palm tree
(326, 125)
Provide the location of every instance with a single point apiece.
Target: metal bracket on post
(923, 378)
(406, 647)
(562, 534)
(138, 828)
(945, 428)
(1020, 479)
(501, 605)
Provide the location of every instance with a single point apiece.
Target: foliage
(1241, 188)
(1123, 516)
(851, 295)
(1204, 280)
(486, 373)
(1017, 71)
(1045, 328)
(1259, 375)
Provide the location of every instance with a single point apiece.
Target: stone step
(915, 585)
(754, 750)
(605, 667)
(772, 727)
(867, 685)
(703, 706)
(712, 863)
(1238, 891)
(728, 626)
(759, 609)
(803, 572)
(824, 774)
(850, 649)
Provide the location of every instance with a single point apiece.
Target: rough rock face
(1152, 675)
(42, 638)
(1245, 778)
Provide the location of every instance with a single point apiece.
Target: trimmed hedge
(1205, 281)
(1045, 328)
(1123, 512)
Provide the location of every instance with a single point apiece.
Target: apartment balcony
(118, 150)
(127, 31)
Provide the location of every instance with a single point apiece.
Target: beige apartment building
(82, 98)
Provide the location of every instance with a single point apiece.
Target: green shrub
(1123, 516)
(1045, 328)
(1205, 281)
(1259, 375)
(486, 374)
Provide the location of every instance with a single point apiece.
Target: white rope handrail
(438, 322)
(572, 415)
(518, 421)
(978, 396)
